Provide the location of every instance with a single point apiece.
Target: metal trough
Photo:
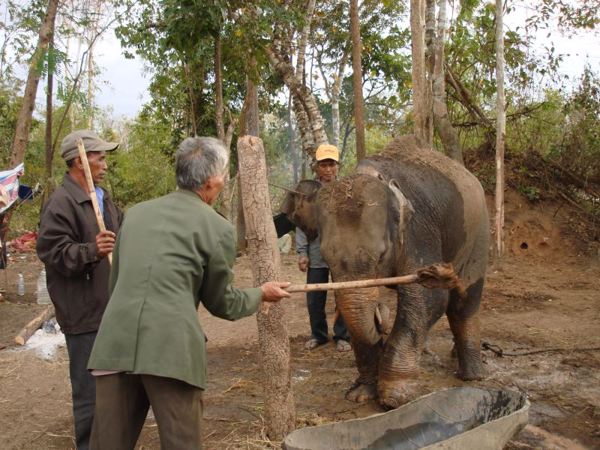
(458, 418)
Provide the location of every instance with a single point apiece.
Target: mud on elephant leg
(398, 372)
(367, 360)
(463, 316)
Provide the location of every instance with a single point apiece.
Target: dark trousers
(315, 301)
(83, 386)
(122, 404)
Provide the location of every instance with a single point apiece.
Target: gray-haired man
(172, 253)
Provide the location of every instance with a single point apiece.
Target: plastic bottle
(21, 285)
(43, 298)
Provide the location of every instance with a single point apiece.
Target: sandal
(312, 343)
(343, 346)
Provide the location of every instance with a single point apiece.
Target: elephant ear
(404, 207)
(299, 206)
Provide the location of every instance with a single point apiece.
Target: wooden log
(33, 325)
(91, 189)
(437, 276)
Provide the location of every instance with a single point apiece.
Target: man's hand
(272, 291)
(303, 263)
(105, 242)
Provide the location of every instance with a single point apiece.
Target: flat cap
(91, 142)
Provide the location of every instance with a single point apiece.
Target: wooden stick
(405, 279)
(437, 276)
(92, 189)
(33, 325)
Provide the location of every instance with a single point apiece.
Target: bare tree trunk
(309, 119)
(302, 42)
(250, 126)
(225, 204)
(48, 137)
(48, 144)
(273, 339)
(336, 88)
(359, 112)
(500, 131)
(332, 90)
(465, 98)
(292, 140)
(90, 87)
(33, 79)
(419, 75)
(447, 132)
(191, 97)
(429, 35)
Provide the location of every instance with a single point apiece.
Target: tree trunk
(336, 88)
(191, 98)
(48, 143)
(292, 146)
(249, 126)
(421, 106)
(48, 138)
(273, 339)
(359, 113)
(465, 98)
(33, 78)
(225, 204)
(309, 119)
(301, 60)
(447, 132)
(500, 131)
(430, 36)
(90, 87)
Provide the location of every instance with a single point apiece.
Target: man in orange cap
(310, 261)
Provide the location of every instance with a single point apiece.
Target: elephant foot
(361, 393)
(392, 396)
(470, 366)
(471, 373)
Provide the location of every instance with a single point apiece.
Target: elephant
(403, 209)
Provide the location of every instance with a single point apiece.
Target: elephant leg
(367, 359)
(463, 316)
(400, 361)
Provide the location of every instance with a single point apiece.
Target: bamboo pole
(91, 189)
(436, 276)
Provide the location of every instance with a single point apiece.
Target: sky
(122, 86)
(122, 83)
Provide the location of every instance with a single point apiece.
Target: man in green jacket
(171, 253)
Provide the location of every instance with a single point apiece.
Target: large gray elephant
(403, 209)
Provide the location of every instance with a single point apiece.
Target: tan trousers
(122, 402)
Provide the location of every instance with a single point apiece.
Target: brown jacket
(77, 281)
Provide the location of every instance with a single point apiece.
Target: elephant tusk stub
(436, 276)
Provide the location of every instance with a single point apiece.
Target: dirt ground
(544, 299)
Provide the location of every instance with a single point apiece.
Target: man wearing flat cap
(74, 251)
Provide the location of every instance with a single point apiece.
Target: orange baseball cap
(327, 151)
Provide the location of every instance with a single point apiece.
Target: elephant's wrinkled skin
(406, 208)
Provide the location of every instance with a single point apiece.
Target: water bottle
(43, 298)
(21, 286)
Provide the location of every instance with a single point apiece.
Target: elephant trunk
(358, 307)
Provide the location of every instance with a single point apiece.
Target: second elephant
(406, 208)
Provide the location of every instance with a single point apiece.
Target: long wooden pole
(33, 325)
(437, 276)
(91, 189)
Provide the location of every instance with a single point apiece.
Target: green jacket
(171, 253)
